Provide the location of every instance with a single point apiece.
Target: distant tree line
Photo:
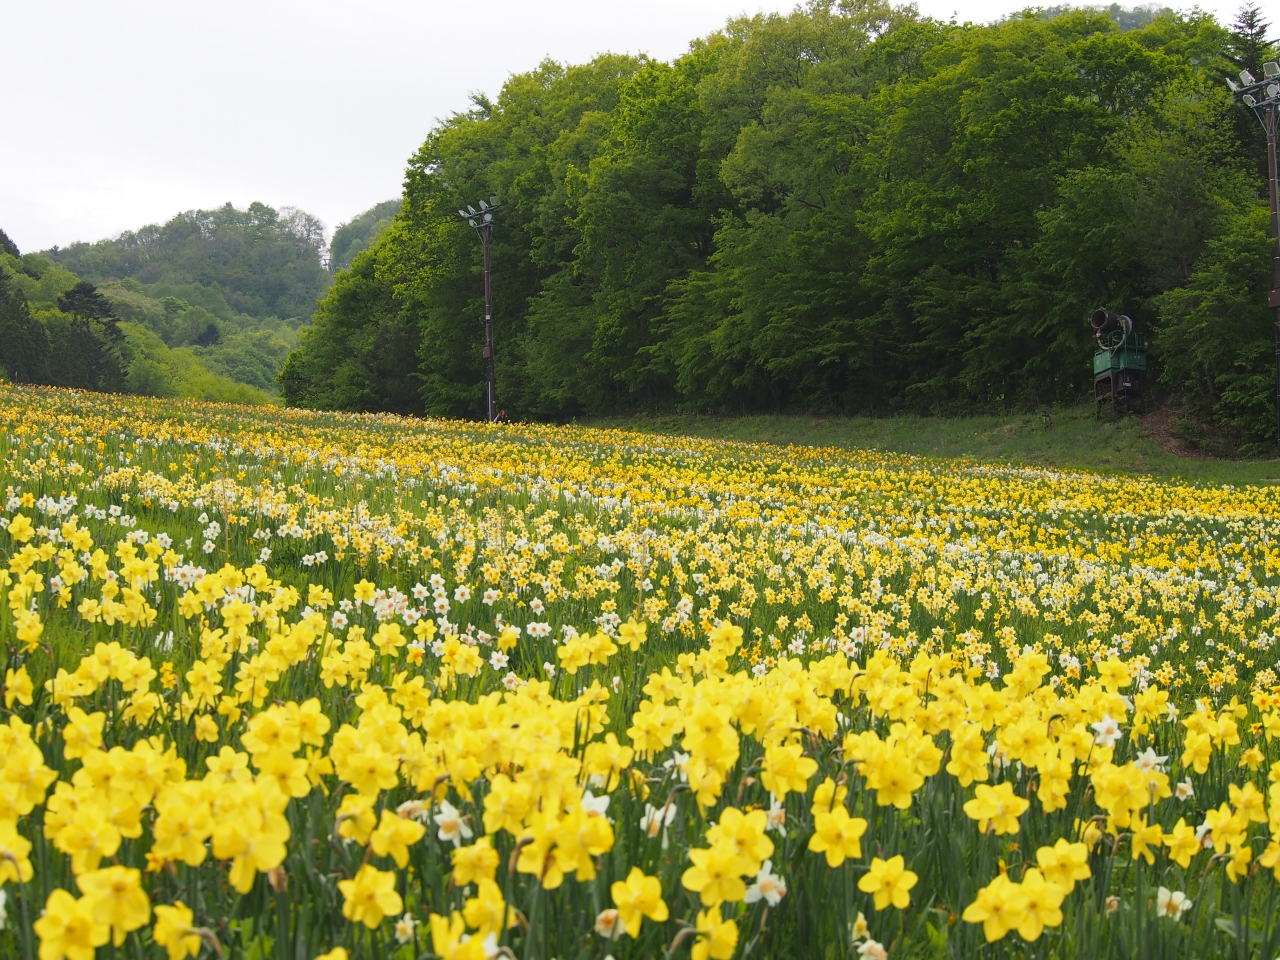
(358, 233)
(59, 330)
(262, 261)
(227, 287)
(846, 208)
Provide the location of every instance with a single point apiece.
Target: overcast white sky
(124, 113)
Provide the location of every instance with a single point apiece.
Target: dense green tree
(8, 246)
(358, 233)
(84, 302)
(1249, 46)
(61, 331)
(235, 285)
(530, 148)
(845, 207)
(1126, 18)
(360, 353)
(87, 341)
(262, 261)
(24, 344)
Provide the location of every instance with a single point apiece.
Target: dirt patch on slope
(1156, 426)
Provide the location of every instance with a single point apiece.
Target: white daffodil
(1184, 790)
(656, 820)
(452, 826)
(861, 930)
(1202, 835)
(607, 924)
(404, 929)
(414, 810)
(777, 821)
(1172, 904)
(678, 760)
(768, 886)
(1148, 762)
(1107, 730)
(594, 806)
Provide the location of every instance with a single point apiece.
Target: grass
(1073, 439)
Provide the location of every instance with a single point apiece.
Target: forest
(207, 305)
(846, 208)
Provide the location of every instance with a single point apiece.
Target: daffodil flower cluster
(356, 687)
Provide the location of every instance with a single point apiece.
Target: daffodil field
(281, 684)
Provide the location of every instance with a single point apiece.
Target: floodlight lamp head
(1250, 101)
(471, 210)
(1273, 90)
(488, 217)
(1247, 78)
(471, 222)
(1235, 87)
(493, 201)
(1271, 70)
(462, 214)
(483, 205)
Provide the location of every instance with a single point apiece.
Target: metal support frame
(1263, 98)
(482, 222)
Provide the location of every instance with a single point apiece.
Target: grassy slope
(1073, 440)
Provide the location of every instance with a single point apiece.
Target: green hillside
(230, 286)
(1069, 438)
(59, 330)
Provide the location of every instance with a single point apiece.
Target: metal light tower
(1263, 97)
(482, 222)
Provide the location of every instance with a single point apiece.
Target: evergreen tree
(1249, 45)
(91, 341)
(24, 345)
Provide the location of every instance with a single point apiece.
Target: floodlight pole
(1263, 98)
(482, 222)
(1272, 112)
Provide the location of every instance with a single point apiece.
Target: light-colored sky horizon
(130, 112)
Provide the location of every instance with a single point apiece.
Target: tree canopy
(359, 233)
(230, 286)
(262, 261)
(59, 330)
(848, 207)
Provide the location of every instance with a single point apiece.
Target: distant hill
(231, 286)
(264, 262)
(359, 233)
(59, 330)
